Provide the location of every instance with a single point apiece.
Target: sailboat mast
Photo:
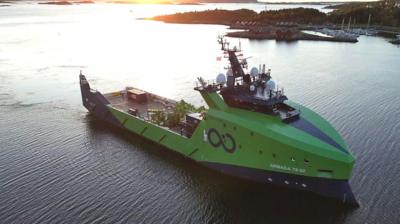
(342, 24)
(369, 20)
(348, 26)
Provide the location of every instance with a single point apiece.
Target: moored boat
(397, 40)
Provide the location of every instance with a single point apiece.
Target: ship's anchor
(222, 139)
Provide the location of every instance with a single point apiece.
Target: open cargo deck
(144, 107)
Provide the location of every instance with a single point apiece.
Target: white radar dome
(229, 72)
(254, 72)
(221, 79)
(271, 84)
(252, 88)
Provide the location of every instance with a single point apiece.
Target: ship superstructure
(255, 91)
(250, 130)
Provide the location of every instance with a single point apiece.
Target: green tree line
(385, 13)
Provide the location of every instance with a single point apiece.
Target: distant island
(56, 3)
(289, 24)
(383, 13)
(228, 17)
(181, 2)
(66, 2)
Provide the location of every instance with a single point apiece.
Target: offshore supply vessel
(250, 129)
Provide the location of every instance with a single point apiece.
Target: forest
(383, 13)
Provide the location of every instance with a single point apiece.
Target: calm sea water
(60, 165)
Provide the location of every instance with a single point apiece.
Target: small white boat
(339, 34)
(371, 32)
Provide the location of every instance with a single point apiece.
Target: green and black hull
(306, 155)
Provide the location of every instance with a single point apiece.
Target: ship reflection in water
(59, 164)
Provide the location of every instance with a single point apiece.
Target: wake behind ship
(250, 129)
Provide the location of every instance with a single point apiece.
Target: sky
(164, 1)
(275, 1)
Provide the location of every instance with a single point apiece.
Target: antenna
(240, 45)
(202, 82)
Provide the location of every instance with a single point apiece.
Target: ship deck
(144, 109)
(121, 101)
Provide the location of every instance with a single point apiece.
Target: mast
(348, 26)
(369, 20)
(342, 24)
(236, 65)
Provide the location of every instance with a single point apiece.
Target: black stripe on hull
(311, 129)
(337, 189)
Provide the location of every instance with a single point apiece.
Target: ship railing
(207, 85)
(278, 92)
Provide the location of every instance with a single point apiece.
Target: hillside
(218, 16)
(383, 13)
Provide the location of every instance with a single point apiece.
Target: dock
(293, 36)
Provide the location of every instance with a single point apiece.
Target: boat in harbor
(397, 40)
(250, 129)
(340, 34)
(366, 32)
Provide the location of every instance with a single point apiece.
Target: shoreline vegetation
(288, 24)
(66, 2)
(329, 4)
(157, 3)
(383, 13)
(178, 2)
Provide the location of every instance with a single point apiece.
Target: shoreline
(288, 24)
(297, 37)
